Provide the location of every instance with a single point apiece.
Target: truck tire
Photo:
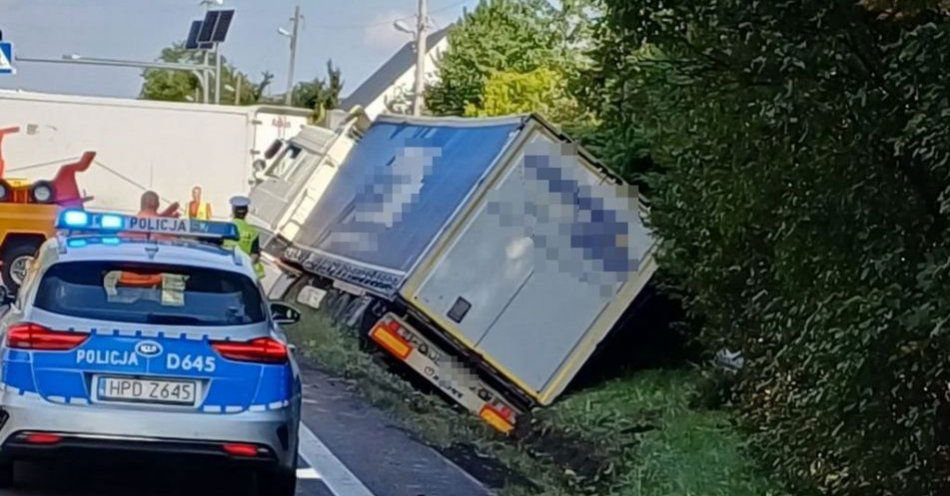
(339, 308)
(327, 305)
(17, 257)
(351, 316)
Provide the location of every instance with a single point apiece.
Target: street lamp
(292, 34)
(420, 33)
(402, 26)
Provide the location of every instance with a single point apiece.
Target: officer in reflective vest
(198, 209)
(248, 237)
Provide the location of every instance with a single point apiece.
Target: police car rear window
(150, 294)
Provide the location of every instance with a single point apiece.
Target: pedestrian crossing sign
(6, 58)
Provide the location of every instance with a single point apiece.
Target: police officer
(248, 237)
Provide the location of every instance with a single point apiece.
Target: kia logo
(148, 349)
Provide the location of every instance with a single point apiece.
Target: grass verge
(633, 436)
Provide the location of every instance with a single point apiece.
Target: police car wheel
(277, 483)
(6, 474)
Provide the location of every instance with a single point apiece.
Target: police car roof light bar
(111, 223)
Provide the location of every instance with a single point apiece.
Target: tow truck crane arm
(67, 191)
(4, 132)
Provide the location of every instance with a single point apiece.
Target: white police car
(148, 346)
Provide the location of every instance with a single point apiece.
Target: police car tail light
(42, 438)
(29, 336)
(260, 350)
(240, 449)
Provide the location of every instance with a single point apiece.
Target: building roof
(386, 75)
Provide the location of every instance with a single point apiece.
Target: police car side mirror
(284, 314)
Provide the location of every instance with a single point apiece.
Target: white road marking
(307, 473)
(330, 469)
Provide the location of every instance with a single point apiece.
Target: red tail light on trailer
(30, 336)
(260, 350)
(500, 420)
(386, 334)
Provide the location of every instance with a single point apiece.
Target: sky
(356, 34)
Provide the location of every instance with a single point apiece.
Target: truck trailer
(491, 256)
(167, 147)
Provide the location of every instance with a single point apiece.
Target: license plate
(159, 391)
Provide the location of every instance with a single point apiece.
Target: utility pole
(217, 74)
(293, 53)
(421, 53)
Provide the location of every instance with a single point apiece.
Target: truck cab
(294, 173)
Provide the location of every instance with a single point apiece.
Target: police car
(157, 346)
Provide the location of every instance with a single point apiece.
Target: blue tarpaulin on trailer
(397, 189)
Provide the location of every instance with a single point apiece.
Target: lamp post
(217, 74)
(420, 33)
(292, 34)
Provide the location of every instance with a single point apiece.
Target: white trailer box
(167, 147)
(493, 244)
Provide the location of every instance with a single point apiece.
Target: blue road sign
(6, 58)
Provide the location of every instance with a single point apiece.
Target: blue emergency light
(110, 223)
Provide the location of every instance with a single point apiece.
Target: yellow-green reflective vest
(246, 236)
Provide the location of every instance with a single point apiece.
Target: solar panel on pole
(207, 27)
(221, 29)
(192, 42)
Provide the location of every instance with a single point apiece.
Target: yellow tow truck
(28, 212)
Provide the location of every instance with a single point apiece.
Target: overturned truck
(491, 256)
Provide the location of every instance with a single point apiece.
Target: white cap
(240, 201)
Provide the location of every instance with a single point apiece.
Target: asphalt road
(348, 449)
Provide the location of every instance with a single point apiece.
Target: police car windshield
(150, 294)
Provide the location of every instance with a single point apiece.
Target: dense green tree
(320, 94)
(542, 90)
(181, 86)
(497, 36)
(803, 209)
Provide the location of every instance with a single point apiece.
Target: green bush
(804, 208)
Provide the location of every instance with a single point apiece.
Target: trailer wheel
(17, 258)
(339, 309)
(352, 316)
(329, 301)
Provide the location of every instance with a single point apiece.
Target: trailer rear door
(533, 278)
